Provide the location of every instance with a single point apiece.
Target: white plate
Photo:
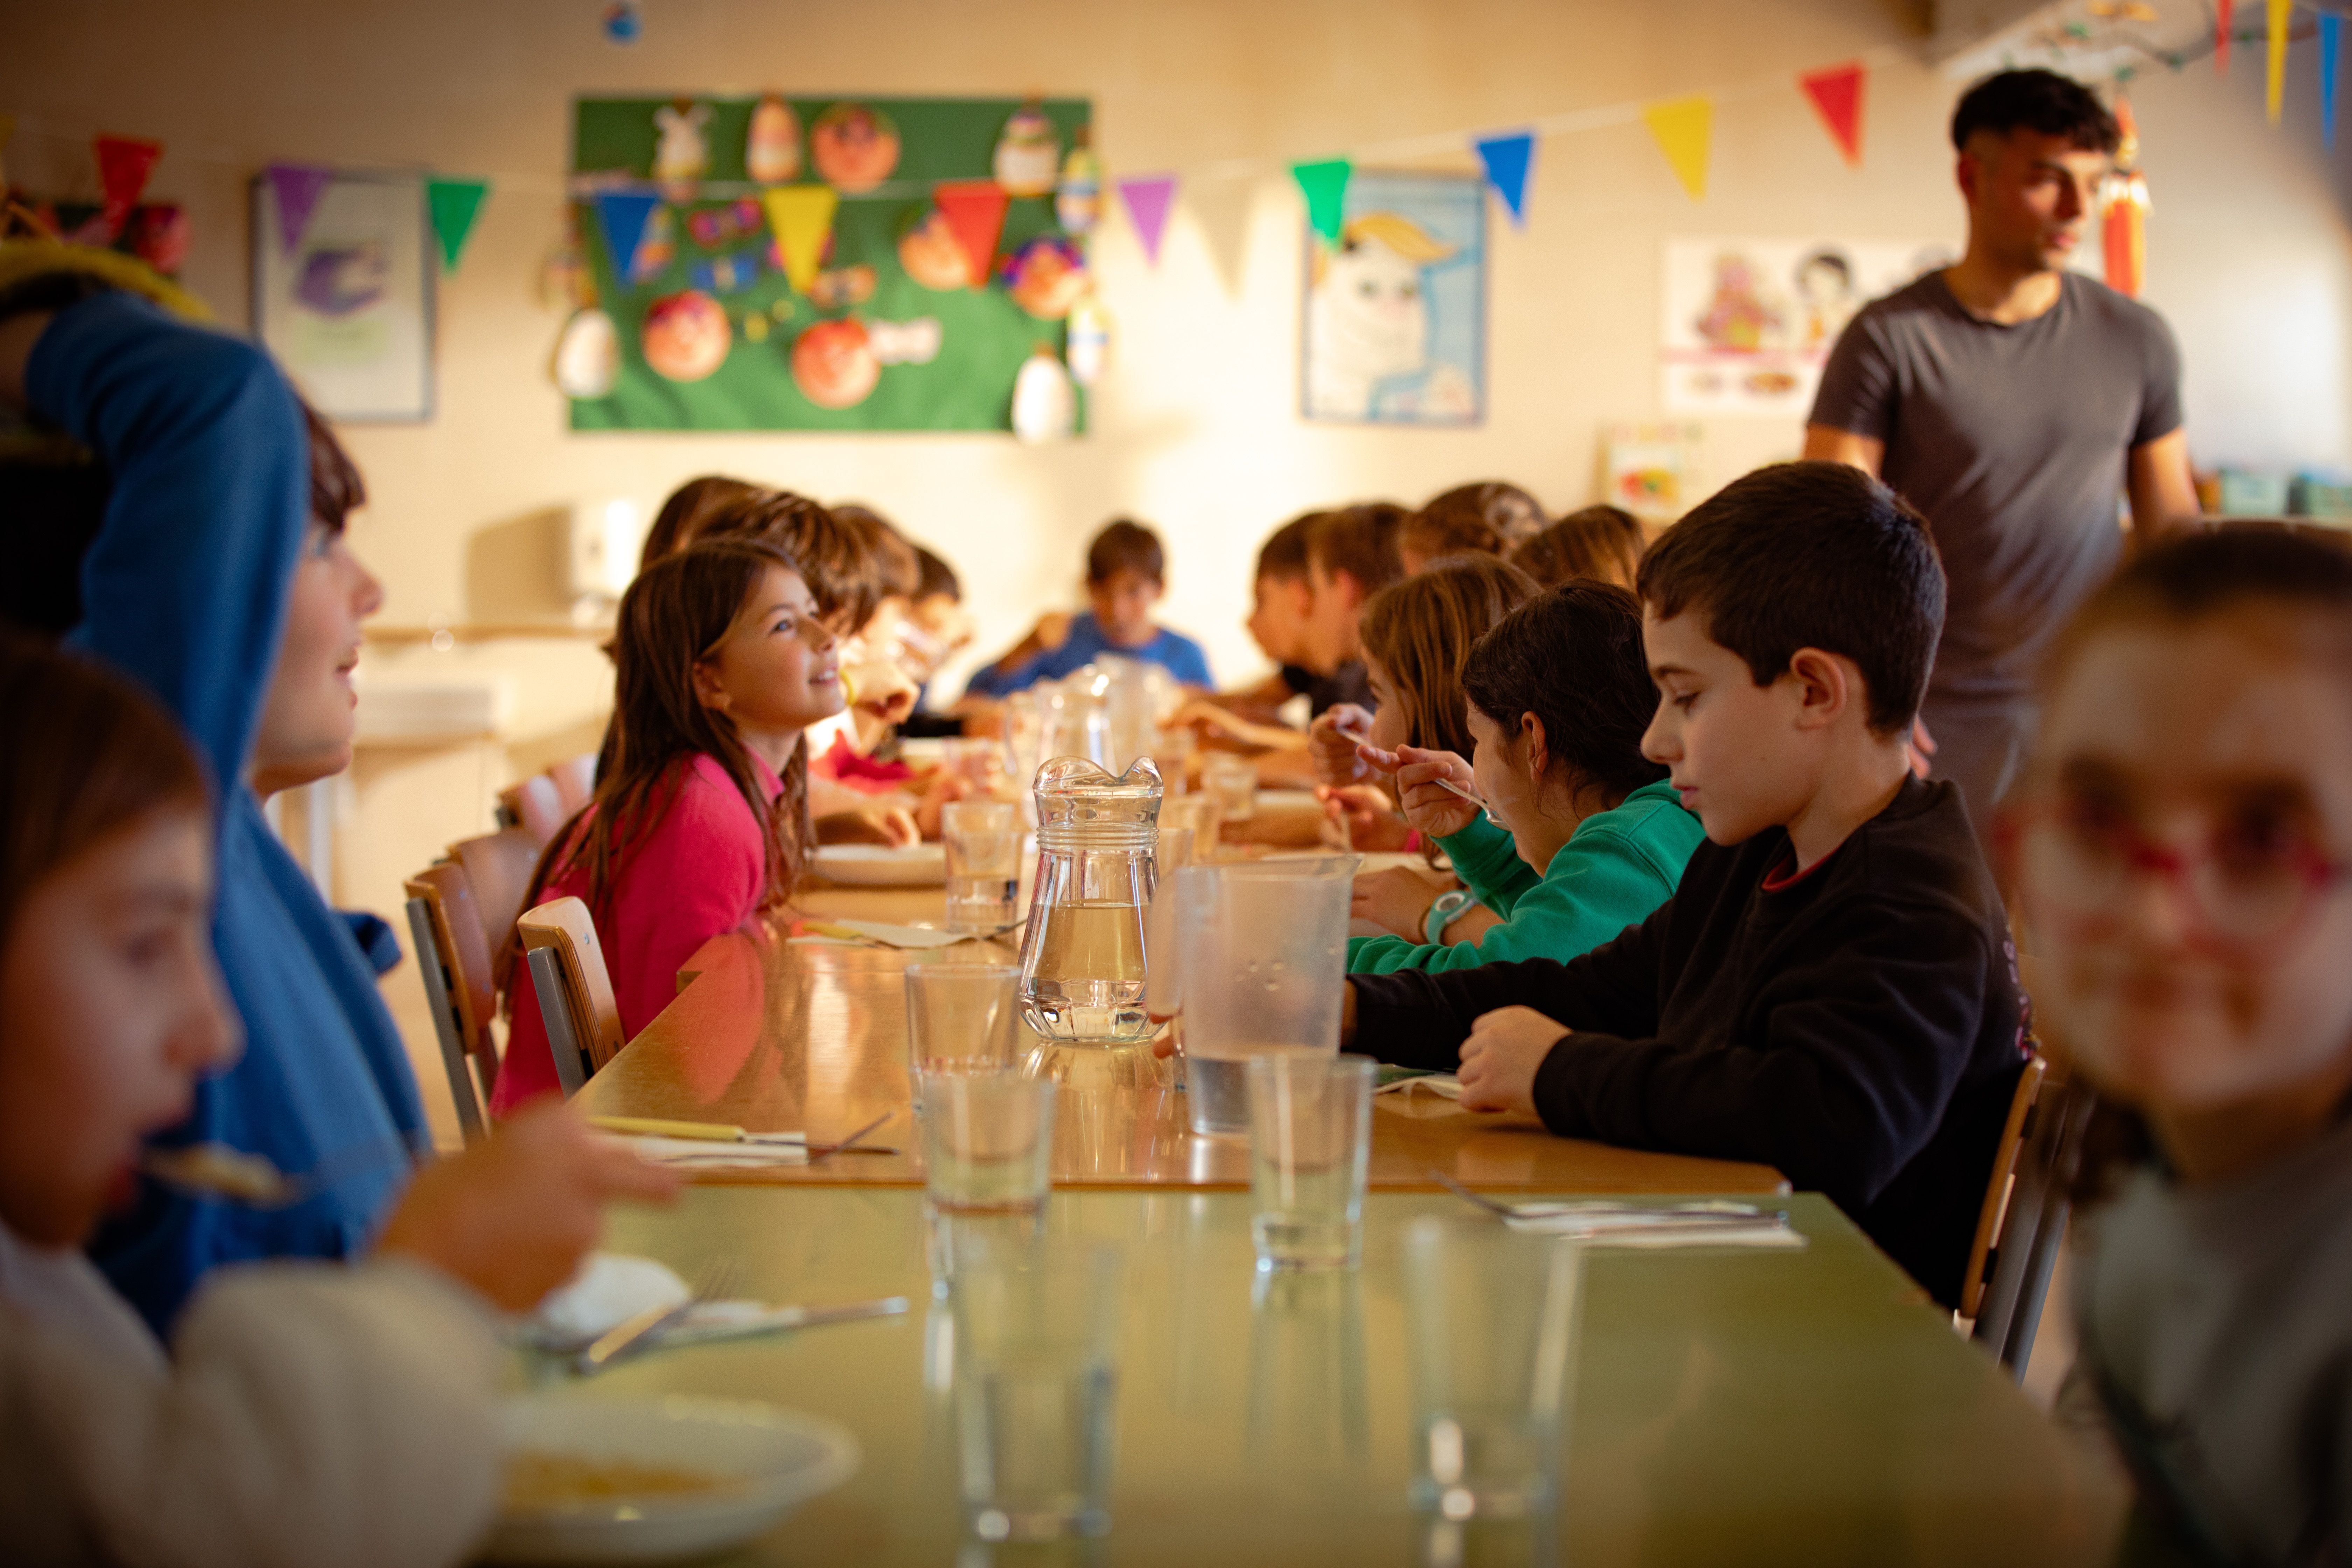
(783, 1457)
(878, 865)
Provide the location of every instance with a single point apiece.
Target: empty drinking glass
(988, 1142)
(1491, 1324)
(982, 840)
(962, 1018)
(1230, 781)
(1310, 1142)
(1036, 1343)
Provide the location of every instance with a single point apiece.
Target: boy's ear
(708, 689)
(1827, 687)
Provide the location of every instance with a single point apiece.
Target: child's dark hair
(2039, 100)
(1598, 541)
(934, 577)
(1125, 545)
(1809, 555)
(692, 504)
(834, 555)
(894, 563)
(1514, 514)
(1420, 630)
(1360, 540)
(1572, 656)
(1283, 556)
(83, 754)
(336, 488)
(2195, 576)
(1430, 534)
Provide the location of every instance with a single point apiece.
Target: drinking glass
(982, 840)
(1310, 1144)
(962, 1018)
(1036, 1343)
(1232, 782)
(1490, 1321)
(980, 760)
(988, 1142)
(1198, 813)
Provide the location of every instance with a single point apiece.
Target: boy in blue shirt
(1126, 576)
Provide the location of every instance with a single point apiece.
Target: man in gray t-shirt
(2012, 403)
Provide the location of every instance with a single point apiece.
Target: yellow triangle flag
(2274, 86)
(802, 219)
(1684, 128)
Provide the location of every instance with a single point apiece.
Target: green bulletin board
(985, 336)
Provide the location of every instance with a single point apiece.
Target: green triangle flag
(453, 204)
(1325, 186)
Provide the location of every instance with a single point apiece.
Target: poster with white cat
(1393, 322)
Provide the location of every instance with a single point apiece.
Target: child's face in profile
(2174, 853)
(1277, 619)
(1122, 605)
(1332, 608)
(109, 1007)
(778, 669)
(1734, 751)
(307, 719)
(1390, 724)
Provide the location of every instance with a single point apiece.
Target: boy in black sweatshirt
(1832, 990)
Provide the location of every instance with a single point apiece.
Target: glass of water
(962, 1018)
(982, 840)
(1230, 781)
(1036, 1347)
(1310, 1142)
(1490, 1317)
(988, 1142)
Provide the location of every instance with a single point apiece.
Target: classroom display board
(785, 263)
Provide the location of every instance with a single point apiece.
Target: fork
(715, 1281)
(1615, 1215)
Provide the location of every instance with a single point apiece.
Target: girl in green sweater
(1582, 837)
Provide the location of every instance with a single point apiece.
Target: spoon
(217, 1172)
(1388, 762)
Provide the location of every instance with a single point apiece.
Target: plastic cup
(1232, 782)
(1310, 1145)
(982, 840)
(962, 1018)
(988, 1142)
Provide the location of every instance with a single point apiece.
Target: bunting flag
(2274, 76)
(801, 217)
(1508, 158)
(1222, 209)
(623, 215)
(2331, 39)
(1837, 98)
(453, 204)
(123, 165)
(975, 213)
(1324, 184)
(1148, 198)
(2224, 15)
(297, 187)
(1683, 127)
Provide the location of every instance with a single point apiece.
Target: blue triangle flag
(1507, 159)
(2331, 38)
(623, 215)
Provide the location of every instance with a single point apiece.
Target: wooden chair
(1996, 1200)
(575, 992)
(535, 806)
(498, 868)
(574, 781)
(2033, 1229)
(453, 955)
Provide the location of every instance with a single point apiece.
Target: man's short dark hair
(1284, 553)
(1125, 545)
(2037, 100)
(1809, 555)
(1360, 540)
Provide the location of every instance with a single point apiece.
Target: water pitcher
(1082, 957)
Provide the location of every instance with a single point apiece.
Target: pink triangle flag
(298, 187)
(1148, 198)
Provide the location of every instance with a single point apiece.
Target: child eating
(1126, 576)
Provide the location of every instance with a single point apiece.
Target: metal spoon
(217, 1173)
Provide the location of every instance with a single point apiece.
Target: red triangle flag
(1837, 97)
(123, 165)
(975, 213)
(2223, 18)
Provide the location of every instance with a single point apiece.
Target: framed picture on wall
(345, 300)
(1393, 324)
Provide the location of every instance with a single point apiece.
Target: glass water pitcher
(1082, 970)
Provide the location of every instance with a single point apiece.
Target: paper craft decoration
(1325, 186)
(1088, 348)
(1047, 277)
(974, 210)
(2331, 39)
(1650, 471)
(1746, 323)
(1507, 159)
(1148, 197)
(623, 215)
(683, 156)
(801, 217)
(297, 187)
(772, 151)
(622, 24)
(2282, 12)
(684, 336)
(587, 356)
(1078, 198)
(1044, 403)
(931, 254)
(904, 342)
(1836, 94)
(1683, 127)
(2123, 210)
(453, 204)
(834, 365)
(349, 310)
(123, 165)
(1029, 153)
(856, 147)
(843, 287)
(1221, 210)
(714, 228)
(1395, 313)
(2224, 15)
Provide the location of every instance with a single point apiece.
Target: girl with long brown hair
(699, 823)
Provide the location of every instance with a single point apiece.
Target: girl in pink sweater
(699, 822)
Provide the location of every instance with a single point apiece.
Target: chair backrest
(2033, 1229)
(578, 1009)
(498, 868)
(454, 962)
(574, 781)
(536, 806)
(1996, 1199)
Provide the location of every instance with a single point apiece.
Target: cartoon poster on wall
(1394, 321)
(347, 305)
(1750, 322)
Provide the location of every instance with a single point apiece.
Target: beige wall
(1195, 427)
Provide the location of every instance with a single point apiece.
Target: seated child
(1351, 555)
(1426, 537)
(2181, 847)
(721, 660)
(935, 628)
(1831, 990)
(1592, 836)
(1513, 514)
(304, 1413)
(1125, 574)
(1600, 542)
(690, 509)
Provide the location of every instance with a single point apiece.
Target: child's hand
(1052, 630)
(1332, 741)
(1397, 900)
(1368, 816)
(944, 787)
(512, 1217)
(1500, 1057)
(893, 826)
(1428, 806)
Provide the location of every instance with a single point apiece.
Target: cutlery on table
(721, 1133)
(829, 1151)
(714, 1280)
(1604, 1215)
(219, 1172)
